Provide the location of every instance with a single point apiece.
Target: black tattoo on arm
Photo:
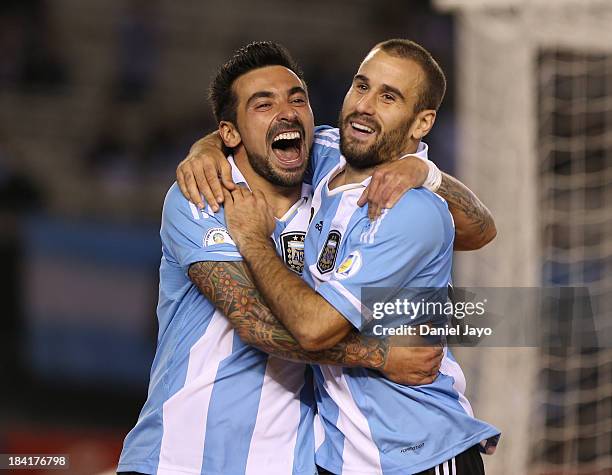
(230, 287)
(474, 224)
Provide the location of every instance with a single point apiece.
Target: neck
(280, 198)
(351, 174)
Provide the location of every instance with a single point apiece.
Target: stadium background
(100, 100)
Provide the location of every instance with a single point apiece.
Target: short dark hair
(255, 55)
(431, 95)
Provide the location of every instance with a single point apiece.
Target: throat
(282, 199)
(349, 176)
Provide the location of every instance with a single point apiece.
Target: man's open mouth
(287, 147)
(360, 129)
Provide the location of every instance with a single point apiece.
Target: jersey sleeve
(191, 235)
(324, 155)
(395, 251)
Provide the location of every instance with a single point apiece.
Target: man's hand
(199, 173)
(248, 217)
(413, 365)
(390, 181)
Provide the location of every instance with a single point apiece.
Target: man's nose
(287, 113)
(365, 105)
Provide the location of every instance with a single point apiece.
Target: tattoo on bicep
(230, 287)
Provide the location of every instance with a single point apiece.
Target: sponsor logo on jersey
(217, 236)
(327, 258)
(293, 251)
(349, 266)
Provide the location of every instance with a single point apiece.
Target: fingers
(437, 362)
(375, 194)
(392, 200)
(363, 199)
(391, 181)
(193, 194)
(180, 179)
(427, 379)
(375, 186)
(226, 176)
(212, 182)
(203, 189)
(240, 193)
(374, 211)
(228, 201)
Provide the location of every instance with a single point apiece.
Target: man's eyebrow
(257, 95)
(296, 90)
(385, 87)
(393, 90)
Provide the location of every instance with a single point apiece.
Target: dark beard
(387, 147)
(261, 166)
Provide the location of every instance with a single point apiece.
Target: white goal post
(534, 92)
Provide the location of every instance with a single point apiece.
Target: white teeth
(362, 127)
(287, 136)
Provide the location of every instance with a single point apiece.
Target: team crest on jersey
(293, 251)
(217, 236)
(327, 258)
(349, 266)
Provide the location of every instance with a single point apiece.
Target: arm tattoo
(230, 287)
(471, 215)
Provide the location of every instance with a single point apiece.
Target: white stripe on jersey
(359, 448)
(319, 432)
(368, 237)
(194, 211)
(451, 368)
(272, 444)
(453, 467)
(332, 133)
(445, 468)
(185, 413)
(327, 143)
(229, 254)
(349, 296)
(437, 470)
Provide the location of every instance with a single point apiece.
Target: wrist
(434, 177)
(380, 358)
(254, 247)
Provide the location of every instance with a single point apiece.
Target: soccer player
(371, 424)
(217, 404)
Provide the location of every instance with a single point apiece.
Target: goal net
(535, 143)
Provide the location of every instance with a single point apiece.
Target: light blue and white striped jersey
(216, 406)
(368, 424)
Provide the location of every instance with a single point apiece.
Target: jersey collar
(239, 179)
(422, 153)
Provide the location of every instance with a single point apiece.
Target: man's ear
(422, 124)
(229, 134)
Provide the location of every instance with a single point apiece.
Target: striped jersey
(368, 424)
(215, 405)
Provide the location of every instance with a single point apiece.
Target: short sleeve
(324, 155)
(408, 245)
(192, 235)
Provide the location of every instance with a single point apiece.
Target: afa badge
(293, 251)
(327, 258)
(217, 236)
